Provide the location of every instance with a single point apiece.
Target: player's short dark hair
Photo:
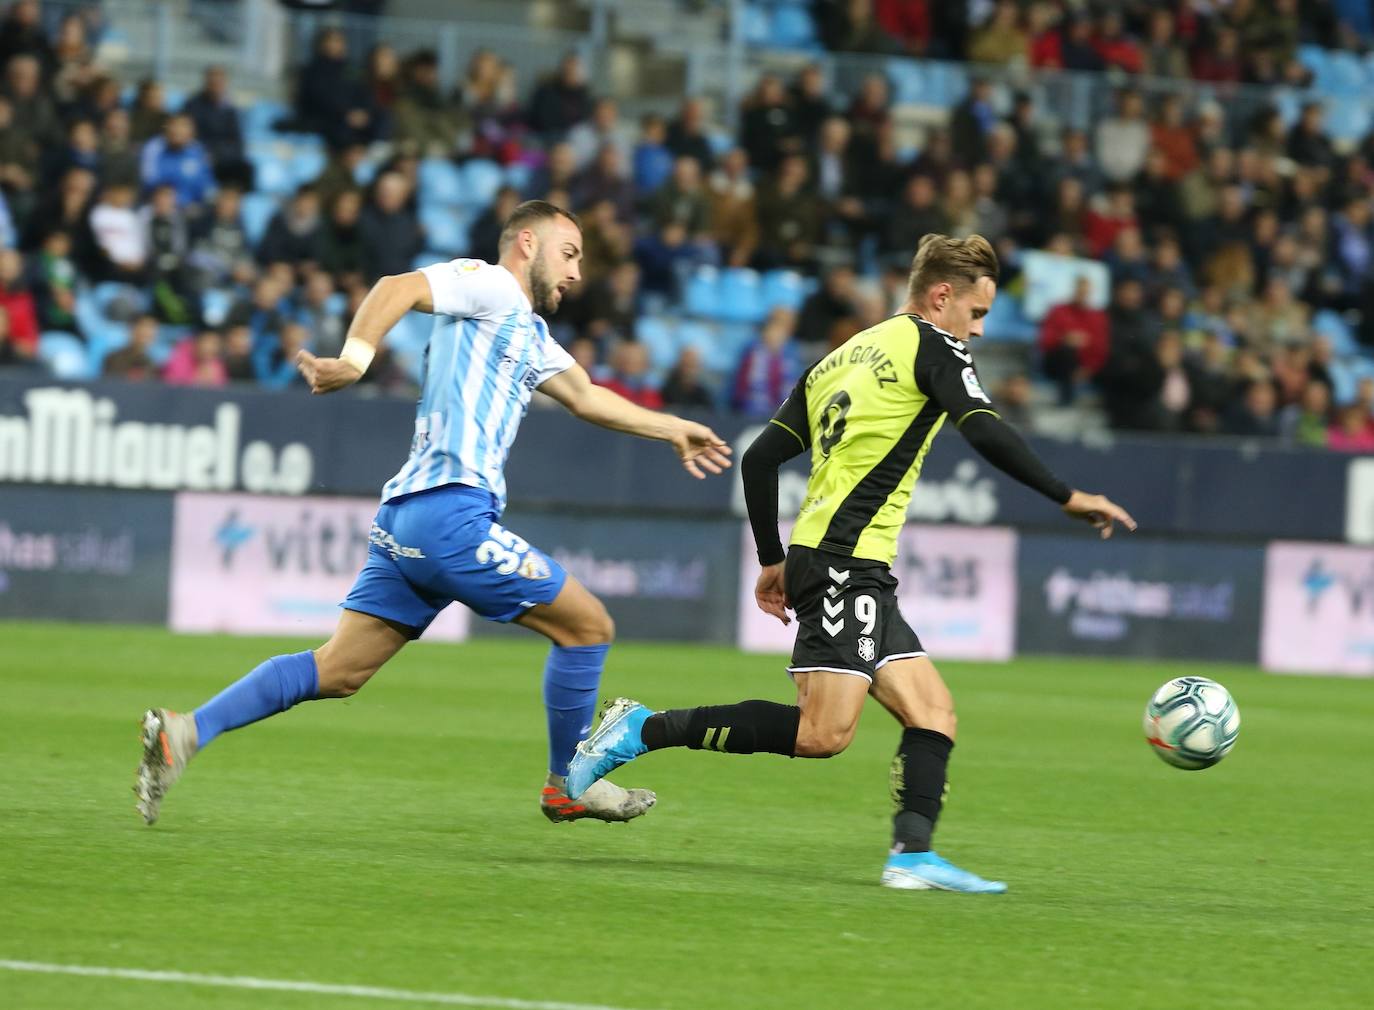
(961, 262)
(529, 214)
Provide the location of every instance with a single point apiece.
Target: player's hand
(325, 375)
(1098, 510)
(699, 448)
(770, 593)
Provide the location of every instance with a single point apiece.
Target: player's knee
(823, 741)
(591, 626)
(339, 678)
(941, 720)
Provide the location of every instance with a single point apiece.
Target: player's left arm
(946, 374)
(699, 448)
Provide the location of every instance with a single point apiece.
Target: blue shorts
(433, 547)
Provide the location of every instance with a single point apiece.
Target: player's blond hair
(959, 262)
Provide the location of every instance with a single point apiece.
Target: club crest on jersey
(534, 567)
(866, 652)
(972, 386)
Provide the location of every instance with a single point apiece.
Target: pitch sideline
(286, 985)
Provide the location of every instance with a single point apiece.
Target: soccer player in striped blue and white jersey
(437, 537)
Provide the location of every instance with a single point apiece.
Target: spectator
(133, 361)
(296, 232)
(489, 100)
(970, 123)
(219, 246)
(32, 112)
(197, 361)
(1277, 317)
(1014, 398)
(1046, 50)
(81, 150)
(1123, 140)
(629, 375)
(177, 159)
(391, 237)
(1352, 431)
(561, 101)
(21, 315)
(1308, 143)
(148, 117)
(238, 354)
(769, 367)
(767, 129)
(684, 386)
(263, 313)
(869, 114)
(917, 215)
(1162, 56)
(1131, 383)
(1175, 393)
(341, 250)
(1128, 258)
(11, 354)
(321, 318)
(662, 256)
(837, 183)
(18, 153)
(734, 213)
(1171, 137)
(56, 284)
(1127, 318)
(1001, 39)
(609, 307)
(1076, 162)
(1256, 416)
(687, 134)
(381, 86)
(329, 101)
(423, 116)
(831, 305)
(168, 248)
(683, 200)
(275, 364)
(1116, 49)
(119, 155)
(68, 208)
(1220, 61)
(485, 233)
(1108, 216)
(21, 33)
(217, 127)
(850, 26)
(341, 172)
(558, 172)
(1077, 48)
(604, 127)
(810, 104)
(606, 241)
(606, 179)
(653, 162)
(1074, 342)
(789, 218)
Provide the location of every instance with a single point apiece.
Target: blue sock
(272, 687)
(571, 677)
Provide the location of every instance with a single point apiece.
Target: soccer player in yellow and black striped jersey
(867, 412)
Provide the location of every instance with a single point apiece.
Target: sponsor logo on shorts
(866, 651)
(534, 567)
(387, 542)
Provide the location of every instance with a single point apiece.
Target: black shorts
(847, 616)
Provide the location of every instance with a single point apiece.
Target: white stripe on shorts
(827, 669)
(897, 655)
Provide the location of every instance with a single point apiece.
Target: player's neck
(521, 276)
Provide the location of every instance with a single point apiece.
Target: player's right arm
(390, 299)
(787, 435)
(945, 373)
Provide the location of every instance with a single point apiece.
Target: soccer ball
(1192, 722)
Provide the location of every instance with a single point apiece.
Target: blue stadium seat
(1334, 328)
(741, 296)
(440, 181)
(307, 163)
(702, 293)
(113, 298)
(784, 287)
(1343, 382)
(411, 332)
(1346, 74)
(517, 174)
(257, 119)
(1008, 323)
(445, 230)
(256, 211)
(173, 98)
(1348, 118)
(731, 340)
(700, 335)
(792, 28)
(215, 304)
(271, 172)
(481, 180)
(657, 335)
(65, 356)
(428, 258)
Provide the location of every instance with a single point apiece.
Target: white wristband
(358, 353)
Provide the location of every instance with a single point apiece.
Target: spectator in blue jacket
(178, 160)
(769, 367)
(275, 364)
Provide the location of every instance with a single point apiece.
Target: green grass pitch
(394, 840)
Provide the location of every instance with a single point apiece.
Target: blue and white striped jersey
(487, 353)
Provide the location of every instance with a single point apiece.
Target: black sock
(747, 728)
(918, 787)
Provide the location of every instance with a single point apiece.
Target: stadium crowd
(1222, 238)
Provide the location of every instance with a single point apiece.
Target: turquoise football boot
(925, 871)
(615, 741)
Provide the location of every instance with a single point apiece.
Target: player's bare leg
(914, 692)
(581, 631)
(359, 647)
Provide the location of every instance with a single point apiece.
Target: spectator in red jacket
(1107, 217)
(1074, 341)
(1116, 48)
(17, 301)
(629, 375)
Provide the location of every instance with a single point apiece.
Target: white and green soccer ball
(1192, 722)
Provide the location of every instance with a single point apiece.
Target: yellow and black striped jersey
(869, 411)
